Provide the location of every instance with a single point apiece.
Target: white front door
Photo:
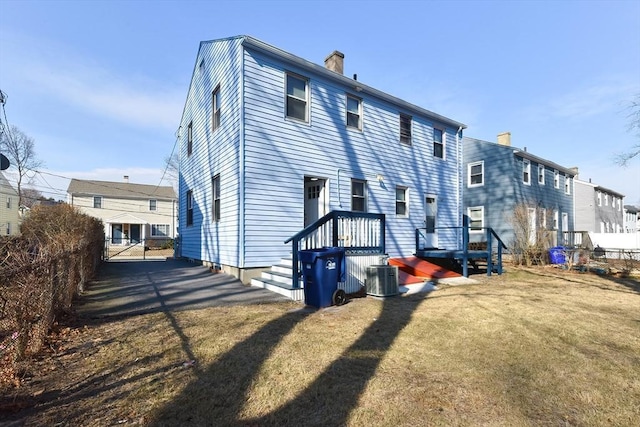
(314, 209)
(430, 221)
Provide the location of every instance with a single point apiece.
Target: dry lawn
(540, 347)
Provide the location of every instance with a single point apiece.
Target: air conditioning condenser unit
(382, 280)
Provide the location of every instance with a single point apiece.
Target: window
(619, 205)
(565, 222)
(526, 171)
(475, 173)
(606, 200)
(567, 185)
(541, 174)
(215, 107)
(476, 219)
(8, 202)
(438, 143)
(543, 219)
(297, 98)
(8, 228)
(405, 129)
(190, 138)
(555, 220)
(599, 198)
(354, 112)
(401, 201)
(215, 197)
(153, 205)
(358, 195)
(189, 207)
(160, 230)
(556, 179)
(97, 202)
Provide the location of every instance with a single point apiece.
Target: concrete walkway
(126, 288)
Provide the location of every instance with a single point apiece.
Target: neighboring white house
(631, 219)
(131, 213)
(9, 209)
(271, 143)
(597, 209)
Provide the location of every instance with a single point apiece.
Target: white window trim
(155, 205)
(405, 201)
(469, 167)
(154, 230)
(481, 210)
(307, 100)
(599, 198)
(556, 179)
(215, 112)
(541, 176)
(360, 109)
(444, 143)
(94, 202)
(567, 185)
(556, 220)
(526, 168)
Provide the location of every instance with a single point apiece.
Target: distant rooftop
(120, 189)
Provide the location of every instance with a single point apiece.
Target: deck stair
(421, 269)
(279, 279)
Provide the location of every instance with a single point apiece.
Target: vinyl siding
(280, 152)
(504, 188)
(9, 217)
(213, 153)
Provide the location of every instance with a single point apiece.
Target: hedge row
(41, 271)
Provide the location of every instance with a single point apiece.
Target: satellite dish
(4, 162)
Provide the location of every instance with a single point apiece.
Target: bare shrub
(40, 273)
(532, 238)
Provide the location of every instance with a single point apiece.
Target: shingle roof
(120, 189)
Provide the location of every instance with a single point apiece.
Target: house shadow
(328, 400)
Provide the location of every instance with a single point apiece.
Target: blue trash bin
(557, 255)
(322, 269)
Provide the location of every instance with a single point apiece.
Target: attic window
(201, 66)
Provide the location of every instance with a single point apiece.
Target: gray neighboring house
(131, 213)
(497, 177)
(631, 219)
(598, 209)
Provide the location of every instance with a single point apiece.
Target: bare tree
(20, 149)
(172, 167)
(30, 196)
(623, 159)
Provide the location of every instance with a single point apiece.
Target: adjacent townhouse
(598, 209)
(271, 143)
(631, 219)
(9, 209)
(131, 213)
(501, 180)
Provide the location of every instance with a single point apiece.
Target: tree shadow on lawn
(218, 396)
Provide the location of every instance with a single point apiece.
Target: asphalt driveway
(125, 288)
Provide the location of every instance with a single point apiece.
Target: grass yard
(539, 347)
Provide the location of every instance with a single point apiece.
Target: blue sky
(100, 86)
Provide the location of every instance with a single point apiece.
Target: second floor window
(599, 199)
(556, 179)
(567, 185)
(358, 195)
(8, 202)
(475, 172)
(153, 205)
(541, 174)
(297, 98)
(354, 112)
(215, 107)
(189, 207)
(526, 171)
(97, 202)
(405, 129)
(438, 143)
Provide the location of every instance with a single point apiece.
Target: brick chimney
(505, 139)
(335, 62)
(126, 179)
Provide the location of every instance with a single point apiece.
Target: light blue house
(499, 178)
(270, 143)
